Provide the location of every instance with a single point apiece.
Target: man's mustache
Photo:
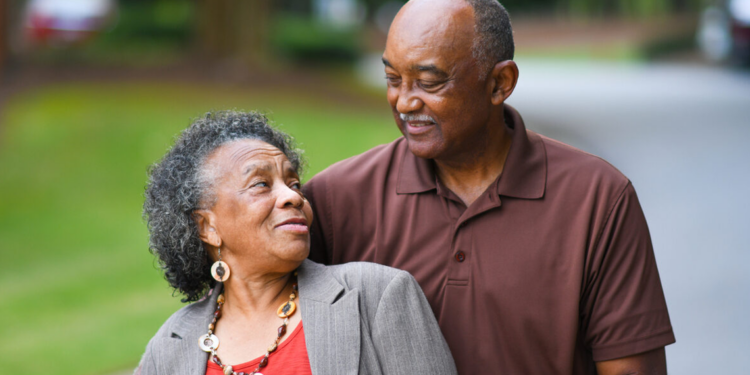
(408, 117)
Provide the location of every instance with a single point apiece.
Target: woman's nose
(291, 197)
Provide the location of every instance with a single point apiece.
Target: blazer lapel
(181, 354)
(331, 320)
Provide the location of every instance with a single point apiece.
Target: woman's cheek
(307, 210)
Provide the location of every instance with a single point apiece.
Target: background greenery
(80, 292)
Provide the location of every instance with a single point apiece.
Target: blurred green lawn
(80, 292)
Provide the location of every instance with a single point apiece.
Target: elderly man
(534, 256)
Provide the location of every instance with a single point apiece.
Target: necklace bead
(210, 342)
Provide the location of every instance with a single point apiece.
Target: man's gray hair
(494, 40)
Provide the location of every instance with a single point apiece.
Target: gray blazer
(359, 318)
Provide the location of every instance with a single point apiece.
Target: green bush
(302, 39)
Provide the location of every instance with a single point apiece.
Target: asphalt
(681, 133)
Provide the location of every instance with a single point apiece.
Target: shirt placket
(459, 270)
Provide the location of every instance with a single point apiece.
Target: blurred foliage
(143, 33)
(149, 32)
(79, 287)
(165, 20)
(146, 28)
(627, 8)
(304, 39)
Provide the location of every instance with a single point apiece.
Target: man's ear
(206, 222)
(503, 79)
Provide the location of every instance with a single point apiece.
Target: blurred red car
(65, 22)
(739, 16)
(724, 32)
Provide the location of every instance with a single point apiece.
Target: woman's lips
(298, 228)
(294, 225)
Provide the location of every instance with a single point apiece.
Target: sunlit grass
(80, 292)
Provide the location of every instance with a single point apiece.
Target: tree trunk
(234, 29)
(4, 34)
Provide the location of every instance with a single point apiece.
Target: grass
(80, 292)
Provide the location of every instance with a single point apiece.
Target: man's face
(434, 88)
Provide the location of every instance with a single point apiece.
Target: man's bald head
(493, 34)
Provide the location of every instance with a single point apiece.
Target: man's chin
(423, 149)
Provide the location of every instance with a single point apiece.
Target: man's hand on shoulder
(653, 362)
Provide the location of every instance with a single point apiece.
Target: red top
(290, 358)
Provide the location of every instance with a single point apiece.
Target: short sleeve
(315, 191)
(623, 308)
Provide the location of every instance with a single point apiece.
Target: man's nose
(408, 102)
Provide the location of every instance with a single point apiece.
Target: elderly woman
(229, 225)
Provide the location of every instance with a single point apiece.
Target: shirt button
(460, 256)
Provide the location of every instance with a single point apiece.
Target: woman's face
(259, 214)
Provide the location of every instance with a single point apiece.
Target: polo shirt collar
(524, 175)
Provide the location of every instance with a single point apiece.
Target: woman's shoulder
(187, 318)
(367, 272)
(358, 273)
(371, 280)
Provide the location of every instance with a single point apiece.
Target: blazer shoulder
(358, 274)
(186, 319)
(372, 281)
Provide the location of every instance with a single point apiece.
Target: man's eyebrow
(431, 69)
(421, 68)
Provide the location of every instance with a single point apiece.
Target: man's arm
(653, 362)
(624, 311)
(315, 193)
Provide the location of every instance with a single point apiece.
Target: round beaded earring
(220, 270)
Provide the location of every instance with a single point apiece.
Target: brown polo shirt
(550, 270)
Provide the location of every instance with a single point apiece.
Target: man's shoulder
(567, 163)
(378, 158)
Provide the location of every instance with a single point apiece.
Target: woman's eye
(296, 186)
(260, 184)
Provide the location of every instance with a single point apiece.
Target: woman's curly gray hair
(179, 184)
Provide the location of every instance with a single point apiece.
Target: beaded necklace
(209, 342)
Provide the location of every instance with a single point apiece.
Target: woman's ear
(503, 78)
(206, 222)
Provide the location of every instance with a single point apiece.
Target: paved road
(682, 135)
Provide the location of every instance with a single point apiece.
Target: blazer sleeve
(147, 366)
(406, 335)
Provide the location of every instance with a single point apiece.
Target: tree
(4, 33)
(234, 29)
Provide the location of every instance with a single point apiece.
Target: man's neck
(469, 176)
